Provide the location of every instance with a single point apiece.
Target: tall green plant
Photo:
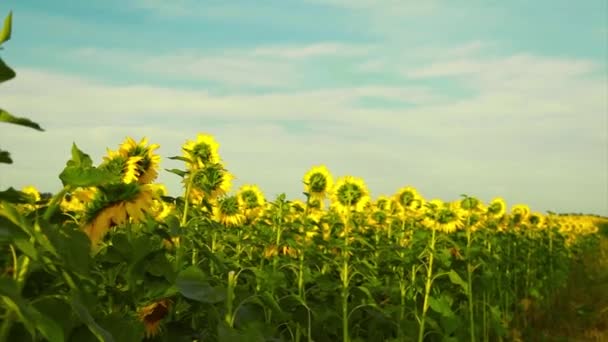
(6, 74)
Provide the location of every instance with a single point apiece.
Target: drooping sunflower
(152, 314)
(228, 212)
(145, 159)
(349, 193)
(318, 182)
(497, 208)
(114, 204)
(202, 151)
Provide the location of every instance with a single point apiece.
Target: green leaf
(79, 171)
(13, 215)
(7, 29)
(5, 157)
(85, 316)
(177, 172)
(455, 279)
(441, 306)
(184, 159)
(31, 318)
(192, 284)
(47, 327)
(7, 117)
(6, 73)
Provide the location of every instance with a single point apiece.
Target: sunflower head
(250, 197)
(446, 217)
(317, 182)
(142, 155)
(406, 195)
(497, 208)
(152, 314)
(350, 193)
(536, 219)
(202, 151)
(227, 212)
(210, 181)
(34, 195)
(114, 204)
(520, 213)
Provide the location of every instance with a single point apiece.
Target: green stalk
(427, 287)
(345, 280)
(470, 281)
(228, 318)
(55, 201)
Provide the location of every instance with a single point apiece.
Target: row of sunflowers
(122, 260)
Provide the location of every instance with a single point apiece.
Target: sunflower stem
(54, 204)
(427, 287)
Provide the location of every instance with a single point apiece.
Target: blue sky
(486, 98)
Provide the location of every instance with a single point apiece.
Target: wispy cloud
(495, 142)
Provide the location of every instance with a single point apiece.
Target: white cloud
(532, 130)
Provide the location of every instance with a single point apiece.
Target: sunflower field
(112, 257)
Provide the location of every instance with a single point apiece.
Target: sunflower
(210, 181)
(251, 200)
(536, 220)
(77, 200)
(143, 156)
(228, 212)
(34, 195)
(318, 182)
(520, 213)
(446, 217)
(250, 197)
(349, 193)
(382, 203)
(406, 195)
(152, 314)
(114, 204)
(202, 151)
(497, 208)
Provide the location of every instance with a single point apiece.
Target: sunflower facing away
(227, 212)
(210, 181)
(202, 151)
(318, 182)
(251, 200)
(349, 193)
(143, 156)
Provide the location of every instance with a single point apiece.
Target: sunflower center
(318, 183)
(349, 194)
